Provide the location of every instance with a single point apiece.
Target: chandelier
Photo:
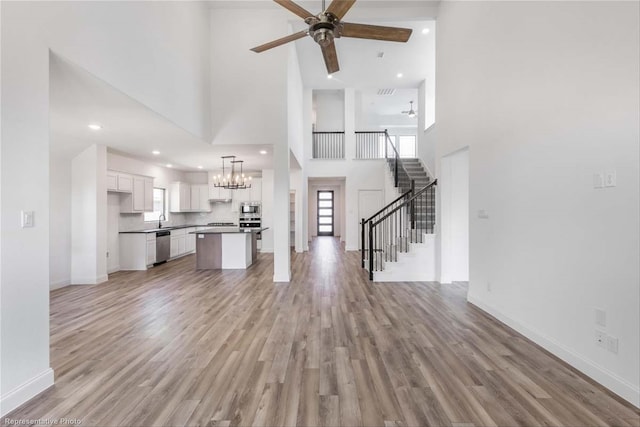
(233, 180)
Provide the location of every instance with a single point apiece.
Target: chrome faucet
(160, 218)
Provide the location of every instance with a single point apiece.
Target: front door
(325, 213)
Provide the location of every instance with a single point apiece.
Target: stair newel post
(370, 252)
(362, 248)
(412, 208)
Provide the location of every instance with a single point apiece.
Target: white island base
(225, 250)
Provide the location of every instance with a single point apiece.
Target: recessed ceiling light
(155, 152)
(169, 165)
(94, 126)
(329, 76)
(425, 31)
(199, 167)
(399, 75)
(263, 151)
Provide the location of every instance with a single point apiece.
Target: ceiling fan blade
(339, 8)
(279, 42)
(295, 8)
(375, 32)
(330, 58)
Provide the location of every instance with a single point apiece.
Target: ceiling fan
(411, 113)
(327, 26)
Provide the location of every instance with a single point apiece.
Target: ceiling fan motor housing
(324, 29)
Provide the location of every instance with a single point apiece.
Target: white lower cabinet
(137, 250)
(182, 243)
(191, 240)
(151, 251)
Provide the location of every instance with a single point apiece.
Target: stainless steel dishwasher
(163, 246)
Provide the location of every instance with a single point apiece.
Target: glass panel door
(325, 213)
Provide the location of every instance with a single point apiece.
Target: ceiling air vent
(386, 92)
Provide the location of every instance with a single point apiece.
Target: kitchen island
(226, 248)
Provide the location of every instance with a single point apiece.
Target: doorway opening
(325, 212)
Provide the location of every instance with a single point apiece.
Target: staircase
(398, 243)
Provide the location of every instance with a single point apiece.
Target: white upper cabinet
(139, 197)
(189, 198)
(118, 181)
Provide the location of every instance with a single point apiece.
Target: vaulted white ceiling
(79, 98)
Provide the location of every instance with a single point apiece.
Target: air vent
(386, 92)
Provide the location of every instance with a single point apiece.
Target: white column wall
(88, 216)
(281, 251)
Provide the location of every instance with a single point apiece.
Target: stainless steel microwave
(250, 208)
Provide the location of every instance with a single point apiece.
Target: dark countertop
(229, 230)
(167, 228)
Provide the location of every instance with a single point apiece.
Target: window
(407, 146)
(159, 205)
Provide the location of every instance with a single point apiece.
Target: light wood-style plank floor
(173, 346)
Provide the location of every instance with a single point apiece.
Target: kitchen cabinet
(189, 198)
(200, 198)
(190, 245)
(180, 242)
(180, 197)
(120, 182)
(137, 250)
(140, 199)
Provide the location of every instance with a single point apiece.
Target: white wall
(60, 223)
(159, 56)
(249, 101)
(453, 185)
(542, 110)
(328, 110)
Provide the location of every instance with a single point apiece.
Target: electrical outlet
(610, 179)
(601, 339)
(601, 317)
(612, 344)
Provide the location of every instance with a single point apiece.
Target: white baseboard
(90, 280)
(285, 277)
(113, 270)
(26, 391)
(266, 250)
(59, 284)
(608, 379)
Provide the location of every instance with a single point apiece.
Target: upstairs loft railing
(378, 145)
(328, 145)
(392, 229)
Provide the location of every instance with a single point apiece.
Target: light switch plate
(26, 219)
(483, 214)
(598, 180)
(610, 179)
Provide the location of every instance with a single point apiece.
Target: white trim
(26, 391)
(90, 280)
(284, 278)
(59, 284)
(266, 251)
(113, 270)
(608, 379)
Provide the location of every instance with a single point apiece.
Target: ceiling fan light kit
(411, 113)
(327, 26)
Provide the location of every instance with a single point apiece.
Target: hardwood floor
(174, 346)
